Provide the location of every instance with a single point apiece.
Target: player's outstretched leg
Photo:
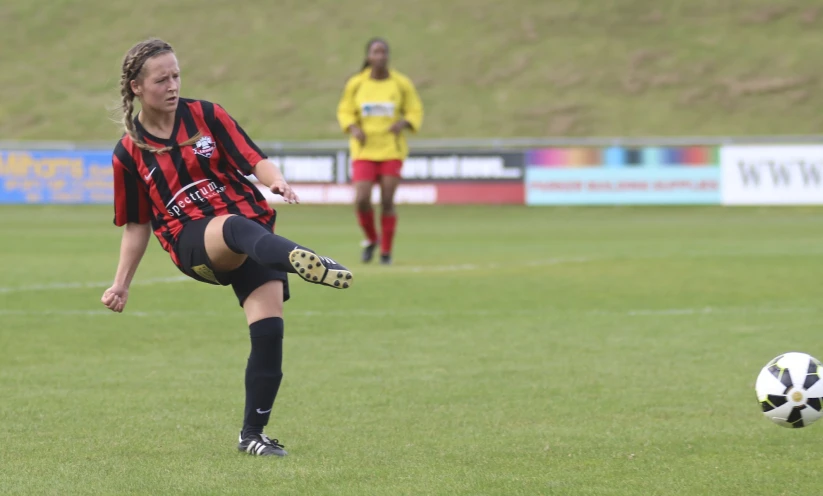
(268, 249)
(320, 270)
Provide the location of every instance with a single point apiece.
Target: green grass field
(484, 69)
(602, 351)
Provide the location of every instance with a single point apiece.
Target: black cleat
(320, 270)
(368, 251)
(385, 258)
(260, 445)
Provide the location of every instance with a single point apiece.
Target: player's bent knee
(215, 226)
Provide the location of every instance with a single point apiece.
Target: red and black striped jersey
(206, 179)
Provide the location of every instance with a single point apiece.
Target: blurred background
(543, 80)
(531, 69)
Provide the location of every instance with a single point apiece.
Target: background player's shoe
(261, 445)
(320, 270)
(368, 251)
(385, 258)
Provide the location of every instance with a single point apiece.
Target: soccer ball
(790, 390)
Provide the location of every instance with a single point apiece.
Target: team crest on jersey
(205, 146)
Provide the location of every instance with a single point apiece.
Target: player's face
(158, 86)
(379, 55)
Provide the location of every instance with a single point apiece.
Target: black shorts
(191, 252)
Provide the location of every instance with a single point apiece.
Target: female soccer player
(181, 166)
(377, 106)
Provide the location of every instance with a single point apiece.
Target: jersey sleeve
(131, 200)
(234, 143)
(347, 108)
(412, 105)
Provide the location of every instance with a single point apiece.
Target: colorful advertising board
(623, 176)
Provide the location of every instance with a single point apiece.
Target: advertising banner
(622, 186)
(772, 175)
(56, 177)
(323, 166)
(441, 193)
(463, 166)
(622, 156)
(618, 175)
(307, 168)
(85, 177)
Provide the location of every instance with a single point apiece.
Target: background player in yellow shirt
(377, 106)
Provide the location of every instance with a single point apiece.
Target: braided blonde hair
(133, 64)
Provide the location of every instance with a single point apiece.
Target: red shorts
(367, 170)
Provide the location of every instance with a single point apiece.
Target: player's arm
(269, 174)
(132, 211)
(347, 111)
(412, 107)
(132, 248)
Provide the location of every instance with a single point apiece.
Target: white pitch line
(63, 313)
(470, 267)
(674, 312)
(56, 286)
(666, 312)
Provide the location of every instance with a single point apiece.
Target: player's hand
(115, 298)
(358, 134)
(282, 188)
(399, 126)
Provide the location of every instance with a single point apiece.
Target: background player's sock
(243, 235)
(263, 373)
(366, 220)
(388, 222)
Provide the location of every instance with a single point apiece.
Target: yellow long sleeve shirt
(375, 105)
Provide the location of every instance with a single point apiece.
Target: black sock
(263, 373)
(243, 235)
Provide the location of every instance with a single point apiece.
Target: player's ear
(135, 87)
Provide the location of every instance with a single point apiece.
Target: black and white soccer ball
(790, 390)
